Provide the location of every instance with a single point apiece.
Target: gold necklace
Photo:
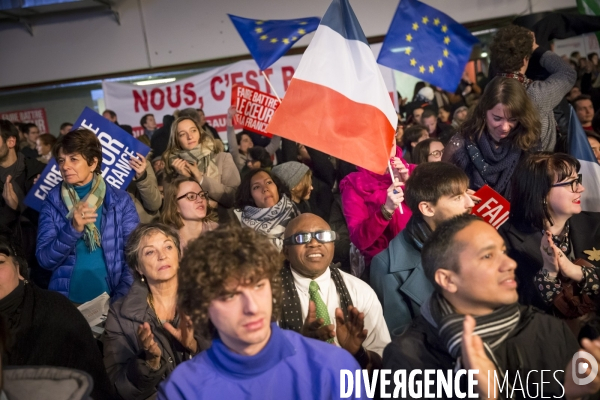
(151, 302)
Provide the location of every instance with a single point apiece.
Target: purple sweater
(289, 367)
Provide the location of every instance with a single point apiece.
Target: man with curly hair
(230, 286)
(513, 49)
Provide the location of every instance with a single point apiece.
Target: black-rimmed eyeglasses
(191, 196)
(574, 183)
(306, 237)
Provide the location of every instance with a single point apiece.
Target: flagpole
(271, 86)
(393, 180)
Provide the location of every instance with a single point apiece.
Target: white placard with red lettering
(210, 91)
(35, 116)
(255, 108)
(493, 208)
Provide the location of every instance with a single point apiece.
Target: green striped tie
(322, 312)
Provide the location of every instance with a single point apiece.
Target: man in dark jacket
(435, 192)
(437, 129)
(473, 322)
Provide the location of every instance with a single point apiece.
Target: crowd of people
(264, 268)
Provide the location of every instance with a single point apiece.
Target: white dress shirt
(363, 298)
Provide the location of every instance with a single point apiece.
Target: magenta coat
(363, 194)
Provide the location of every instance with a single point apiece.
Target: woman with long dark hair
(503, 126)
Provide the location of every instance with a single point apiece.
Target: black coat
(539, 342)
(524, 248)
(124, 357)
(46, 329)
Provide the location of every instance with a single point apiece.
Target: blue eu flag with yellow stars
(268, 40)
(427, 44)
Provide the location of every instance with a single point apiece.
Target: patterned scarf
(94, 199)
(494, 166)
(492, 328)
(201, 155)
(417, 231)
(271, 221)
(525, 81)
(291, 316)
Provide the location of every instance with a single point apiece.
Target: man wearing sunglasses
(321, 301)
(435, 192)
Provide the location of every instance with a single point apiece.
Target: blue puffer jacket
(57, 239)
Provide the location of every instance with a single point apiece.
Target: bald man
(323, 302)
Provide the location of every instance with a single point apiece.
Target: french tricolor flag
(580, 148)
(337, 101)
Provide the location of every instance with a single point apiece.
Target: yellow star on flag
(415, 26)
(409, 37)
(407, 51)
(436, 21)
(413, 62)
(285, 41)
(594, 255)
(444, 28)
(446, 40)
(259, 22)
(303, 23)
(422, 69)
(301, 31)
(431, 69)
(440, 63)
(258, 30)
(425, 20)
(445, 52)
(273, 40)
(294, 38)
(264, 37)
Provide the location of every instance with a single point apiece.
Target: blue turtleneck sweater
(290, 366)
(88, 279)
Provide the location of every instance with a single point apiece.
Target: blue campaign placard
(117, 148)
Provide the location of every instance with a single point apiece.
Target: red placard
(35, 115)
(255, 108)
(493, 208)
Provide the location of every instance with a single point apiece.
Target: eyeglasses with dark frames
(574, 183)
(306, 237)
(191, 196)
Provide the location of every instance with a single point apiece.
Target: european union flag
(268, 40)
(427, 44)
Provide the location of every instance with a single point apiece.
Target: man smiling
(322, 302)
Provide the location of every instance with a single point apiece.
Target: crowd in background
(225, 261)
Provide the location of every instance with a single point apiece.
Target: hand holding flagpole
(394, 180)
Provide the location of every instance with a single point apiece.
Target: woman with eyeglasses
(264, 204)
(187, 209)
(429, 150)
(502, 128)
(547, 231)
(145, 336)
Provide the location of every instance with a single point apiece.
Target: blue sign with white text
(118, 147)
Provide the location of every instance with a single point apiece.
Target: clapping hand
(9, 195)
(475, 358)
(184, 333)
(351, 333)
(314, 328)
(149, 346)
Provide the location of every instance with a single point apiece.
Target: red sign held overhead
(255, 108)
(35, 116)
(493, 208)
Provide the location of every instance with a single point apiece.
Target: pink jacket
(363, 194)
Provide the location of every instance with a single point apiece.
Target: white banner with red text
(210, 90)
